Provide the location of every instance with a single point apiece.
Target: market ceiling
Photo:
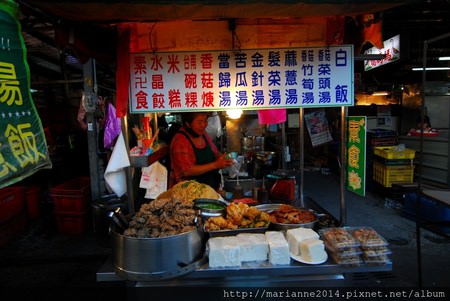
(157, 10)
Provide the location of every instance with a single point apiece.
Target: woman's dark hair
(190, 116)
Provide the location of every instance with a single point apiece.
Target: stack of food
(287, 214)
(232, 251)
(304, 244)
(342, 246)
(238, 216)
(374, 248)
(171, 212)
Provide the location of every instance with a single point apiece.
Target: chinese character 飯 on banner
(23, 149)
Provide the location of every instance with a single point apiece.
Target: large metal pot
(147, 259)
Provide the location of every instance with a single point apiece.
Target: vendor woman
(193, 155)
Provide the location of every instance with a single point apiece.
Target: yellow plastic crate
(388, 174)
(391, 152)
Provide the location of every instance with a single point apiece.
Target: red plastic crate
(15, 227)
(32, 195)
(12, 202)
(72, 196)
(33, 201)
(72, 223)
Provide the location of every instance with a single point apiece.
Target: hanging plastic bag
(154, 179)
(271, 116)
(214, 128)
(112, 127)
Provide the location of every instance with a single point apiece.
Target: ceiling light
(444, 58)
(234, 113)
(431, 69)
(380, 93)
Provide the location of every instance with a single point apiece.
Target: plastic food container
(367, 237)
(345, 252)
(375, 260)
(376, 251)
(339, 238)
(349, 261)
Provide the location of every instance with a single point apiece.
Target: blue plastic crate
(430, 210)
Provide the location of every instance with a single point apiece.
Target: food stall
(308, 29)
(183, 258)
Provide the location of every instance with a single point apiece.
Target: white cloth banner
(115, 176)
(154, 179)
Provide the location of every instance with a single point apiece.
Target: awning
(111, 11)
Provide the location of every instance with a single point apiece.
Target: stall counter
(249, 274)
(255, 274)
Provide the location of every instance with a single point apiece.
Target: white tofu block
(296, 235)
(278, 248)
(224, 252)
(253, 246)
(312, 250)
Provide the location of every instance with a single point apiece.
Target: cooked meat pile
(239, 215)
(288, 214)
(171, 212)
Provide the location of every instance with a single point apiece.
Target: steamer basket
(147, 259)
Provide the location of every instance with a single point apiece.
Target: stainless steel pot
(247, 148)
(205, 212)
(147, 259)
(266, 157)
(283, 227)
(265, 163)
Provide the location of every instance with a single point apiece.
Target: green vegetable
(210, 206)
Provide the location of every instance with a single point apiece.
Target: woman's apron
(204, 156)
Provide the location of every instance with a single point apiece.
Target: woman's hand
(224, 161)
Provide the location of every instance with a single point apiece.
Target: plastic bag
(154, 179)
(271, 116)
(112, 127)
(234, 169)
(214, 128)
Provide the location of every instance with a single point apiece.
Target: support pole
(128, 173)
(343, 208)
(90, 102)
(301, 201)
(283, 146)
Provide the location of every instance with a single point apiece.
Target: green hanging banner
(23, 148)
(356, 154)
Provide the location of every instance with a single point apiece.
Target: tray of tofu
(271, 247)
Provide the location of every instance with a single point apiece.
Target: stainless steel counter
(253, 273)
